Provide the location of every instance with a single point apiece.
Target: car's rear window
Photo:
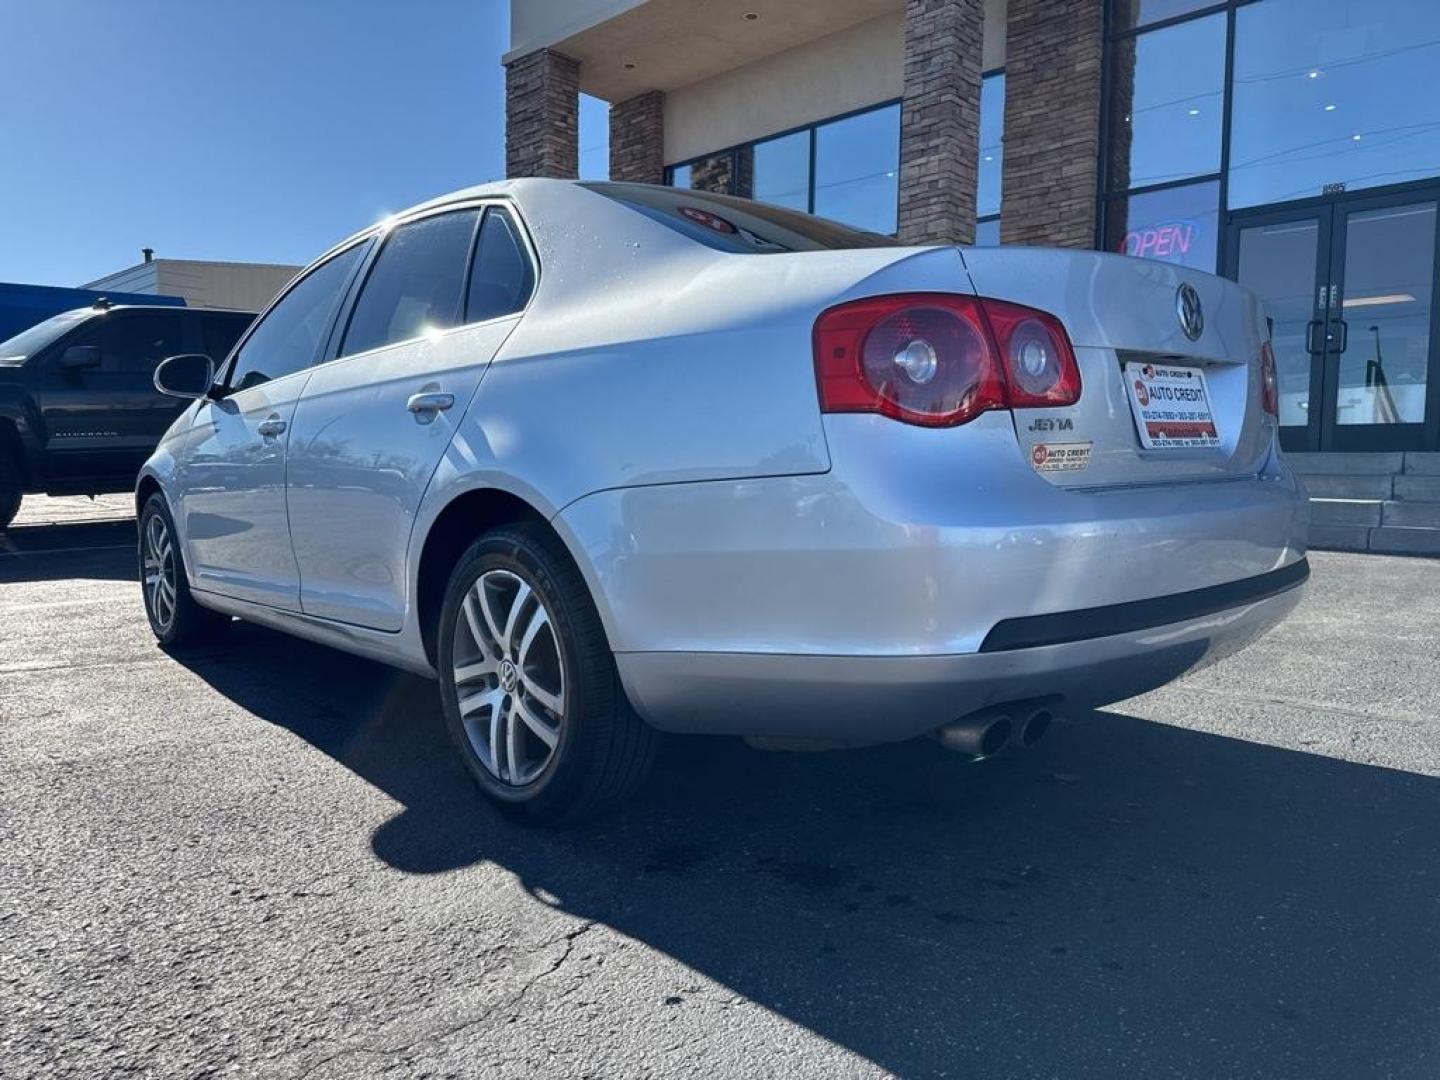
(741, 226)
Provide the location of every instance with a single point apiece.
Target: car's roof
(517, 187)
(514, 189)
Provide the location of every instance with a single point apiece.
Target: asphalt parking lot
(263, 860)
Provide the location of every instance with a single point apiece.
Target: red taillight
(940, 359)
(1040, 366)
(1269, 381)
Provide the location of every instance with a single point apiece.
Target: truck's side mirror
(80, 358)
(189, 375)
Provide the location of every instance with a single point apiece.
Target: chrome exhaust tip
(978, 736)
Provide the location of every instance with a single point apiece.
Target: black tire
(603, 750)
(11, 493)
(180, 622)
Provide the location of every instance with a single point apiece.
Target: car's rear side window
(739, 226)
(501, 277)
(417, 282)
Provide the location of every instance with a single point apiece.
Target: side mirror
(189, 375)
(80, 358)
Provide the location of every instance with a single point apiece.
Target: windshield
(28, 342)
(741, 226)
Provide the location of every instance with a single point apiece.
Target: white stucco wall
(994, 48)
(860, 66)
(538, 23)
(239, 286)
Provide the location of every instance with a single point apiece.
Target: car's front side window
(416, 284)
(289, 337)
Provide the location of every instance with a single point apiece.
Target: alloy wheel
(160, 571)
(509, 677)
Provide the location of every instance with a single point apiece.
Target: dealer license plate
(1171, 406)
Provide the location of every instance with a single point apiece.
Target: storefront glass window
(992, 126)
(782, 171)
(857, 170)
(1129, 14)
(716, 173)
(1333, 92)
(1176, 225)
(1167, 103)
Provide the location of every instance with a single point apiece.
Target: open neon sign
(1167, 241)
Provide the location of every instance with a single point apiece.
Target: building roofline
(187, 262)
(568, 30)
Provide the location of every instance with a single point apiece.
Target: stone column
(1054, 51)
(542, 115)
(637, 139)
(940, 121)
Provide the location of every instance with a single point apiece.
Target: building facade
(1291, 144)
(201, 284)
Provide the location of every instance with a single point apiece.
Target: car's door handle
(429, 403)
(271, 426)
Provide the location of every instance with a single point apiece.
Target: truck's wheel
(528, 683)
(10, 493)
(175, 618)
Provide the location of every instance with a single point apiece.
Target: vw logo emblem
(509, 676)
(1187, 307)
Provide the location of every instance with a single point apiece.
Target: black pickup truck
(79, 412)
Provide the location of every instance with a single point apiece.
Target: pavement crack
(509, 1002)
(569, 938)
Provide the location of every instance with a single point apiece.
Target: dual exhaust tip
(985, 733)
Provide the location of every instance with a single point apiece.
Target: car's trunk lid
(1126, 320)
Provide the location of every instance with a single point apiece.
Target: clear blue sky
(246, 130)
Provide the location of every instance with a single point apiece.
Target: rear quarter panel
(646, 358)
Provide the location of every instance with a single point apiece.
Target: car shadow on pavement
(94, 550)
(1128, 899)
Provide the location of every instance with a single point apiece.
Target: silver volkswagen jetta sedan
(614, 459)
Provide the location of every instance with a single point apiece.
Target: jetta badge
(1187, 307)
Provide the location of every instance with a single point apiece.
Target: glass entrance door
(1382, 310)
(1283, 257)
(1350, 288)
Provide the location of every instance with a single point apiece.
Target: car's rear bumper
(887, 698)
(868, 601)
